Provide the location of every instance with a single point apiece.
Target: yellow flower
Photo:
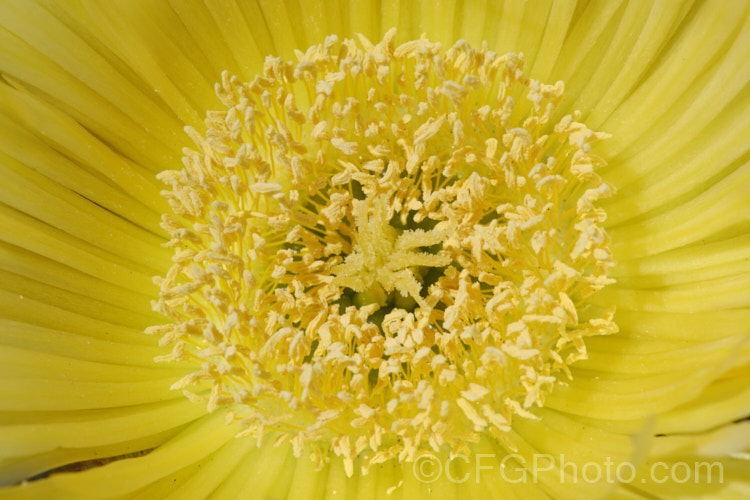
(379, 264)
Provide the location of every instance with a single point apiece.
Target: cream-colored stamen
(384, 250)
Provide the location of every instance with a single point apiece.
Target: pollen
(382, 251)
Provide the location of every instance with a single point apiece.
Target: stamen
(384, 250)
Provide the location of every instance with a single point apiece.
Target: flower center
(384, 259)
(384, 250)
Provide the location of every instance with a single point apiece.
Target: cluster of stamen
(384, 250)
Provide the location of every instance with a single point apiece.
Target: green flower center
(384, 259)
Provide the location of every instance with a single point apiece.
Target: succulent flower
(505, 258)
